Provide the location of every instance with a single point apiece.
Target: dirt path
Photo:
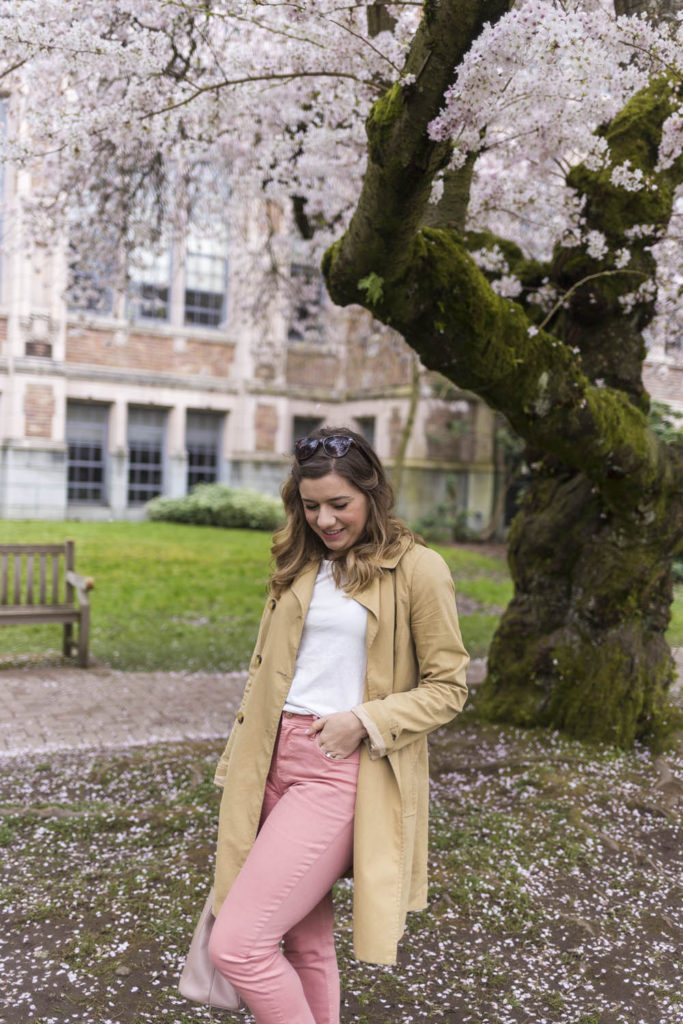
(66, 708)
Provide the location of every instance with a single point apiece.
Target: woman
(358, 657)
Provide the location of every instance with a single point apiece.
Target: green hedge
(219, 505)
(444, 525)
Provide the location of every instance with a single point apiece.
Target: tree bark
(658, 11)
(581, 647)
(582, 644)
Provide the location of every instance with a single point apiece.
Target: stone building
(663, 377)
(112, 399)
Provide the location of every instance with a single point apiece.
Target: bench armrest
(82, 584)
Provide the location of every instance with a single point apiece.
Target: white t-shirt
(329, 672)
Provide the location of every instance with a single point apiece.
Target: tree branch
(584, 280)
(451, 209)
(227, 82)
(402, 159)
(430, 290)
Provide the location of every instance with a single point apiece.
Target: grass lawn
(186, 598)
(167, 596)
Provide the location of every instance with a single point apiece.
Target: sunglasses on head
(336, 446)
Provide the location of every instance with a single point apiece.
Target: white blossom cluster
(492, 259)
(540, 80)
(623, 176)
(274, 95)
(125, 111)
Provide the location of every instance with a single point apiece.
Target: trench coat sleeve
(400, 718)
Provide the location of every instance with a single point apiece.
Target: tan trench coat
(415, 681)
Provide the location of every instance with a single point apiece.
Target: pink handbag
(200, 981)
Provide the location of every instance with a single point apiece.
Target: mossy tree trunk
(582, 645)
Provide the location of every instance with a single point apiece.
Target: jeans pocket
(349, 759)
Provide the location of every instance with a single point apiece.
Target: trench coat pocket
(404, 764)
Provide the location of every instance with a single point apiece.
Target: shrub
(219, 505)
(444, 525)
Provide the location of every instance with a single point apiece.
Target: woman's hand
(339, 734)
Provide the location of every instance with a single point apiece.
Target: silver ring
(327, 754)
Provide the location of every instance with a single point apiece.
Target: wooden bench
(38, 583)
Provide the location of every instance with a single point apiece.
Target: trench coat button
(258, 659)
(273, 605)
(240, 717)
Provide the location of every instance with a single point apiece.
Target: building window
(305, 425)
(86, 435)
(307, 299)
(151, 289)
(146, 430)
(206, 276)
(365, 425)
(202, 440)
(90, 288)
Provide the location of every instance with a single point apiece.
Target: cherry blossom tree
(582, 644)
(497, 183)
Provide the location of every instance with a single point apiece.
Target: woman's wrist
(364, 731)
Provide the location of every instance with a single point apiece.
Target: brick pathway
(63, 708)
(70, 708)
(57, 708)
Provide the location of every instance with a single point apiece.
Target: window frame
(149, 438)
(91, 426)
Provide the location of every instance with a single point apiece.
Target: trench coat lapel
(378, 599)
(370, 599)
(302, 587)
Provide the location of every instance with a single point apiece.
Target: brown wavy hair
(296, 545)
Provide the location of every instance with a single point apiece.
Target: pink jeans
(283, 892)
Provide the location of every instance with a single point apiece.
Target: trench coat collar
(370, 597)
(302, 586)
(405, 544)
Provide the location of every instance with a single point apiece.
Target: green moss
(529, 271)
(633, 134)
(619, 209)
(608, 690)
(429, 8)
(581, 647)
(471, 334)
(330, 258)
(381, 122)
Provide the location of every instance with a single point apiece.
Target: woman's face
(335, 510)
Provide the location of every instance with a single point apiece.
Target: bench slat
(55, 579)
(4, 558)
(25, 615)
(42, 591)
(29, 577)
(17, 579)
(36, 549)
